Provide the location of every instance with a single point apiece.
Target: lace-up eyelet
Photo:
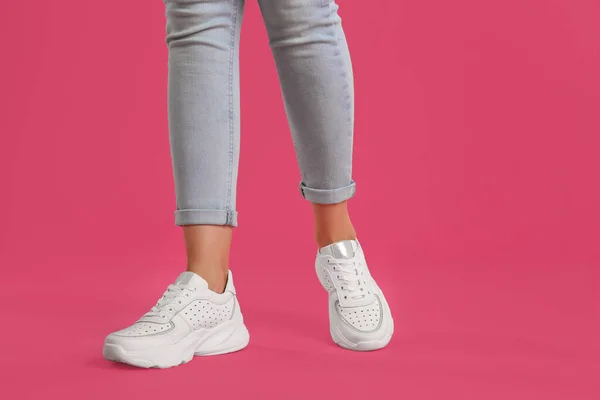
(345, 297)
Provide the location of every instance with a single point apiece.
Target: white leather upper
(186, 306)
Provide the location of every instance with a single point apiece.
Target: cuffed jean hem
(328, 196)
(205, 217)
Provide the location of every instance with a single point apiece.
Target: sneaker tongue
(345, 249)
(191, 279)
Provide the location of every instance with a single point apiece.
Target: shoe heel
(227, 340)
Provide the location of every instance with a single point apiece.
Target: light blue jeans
(315, 73)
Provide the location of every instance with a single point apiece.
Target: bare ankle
(323, 241)
(207, 248)
(215, 277)
(332, 223)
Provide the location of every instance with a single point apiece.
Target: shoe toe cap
(363, 328)
(366, 318)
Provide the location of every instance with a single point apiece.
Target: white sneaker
(189, 319)
(359, 316)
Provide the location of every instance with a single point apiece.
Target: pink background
(477, 139)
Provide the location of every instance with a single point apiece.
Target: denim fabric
(315, 72)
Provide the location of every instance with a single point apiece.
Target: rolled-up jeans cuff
(328, 196)
(205, 217)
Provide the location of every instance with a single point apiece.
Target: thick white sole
(365, 345)
(228, 337)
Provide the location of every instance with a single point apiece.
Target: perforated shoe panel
(363, 318)
(204, 314)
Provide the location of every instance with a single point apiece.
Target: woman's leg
(203, 42)
(190, 318)
(315, 72)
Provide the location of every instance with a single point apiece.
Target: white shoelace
(347, 272)
(172, 294)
